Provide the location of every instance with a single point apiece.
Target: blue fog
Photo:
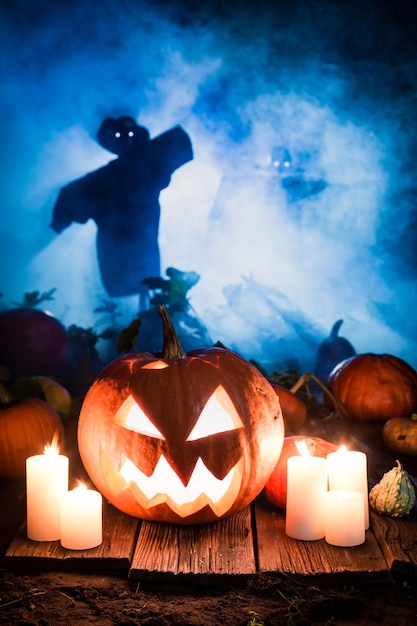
(282, 252)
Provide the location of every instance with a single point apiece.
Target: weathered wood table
(240, 546)
(245, 545)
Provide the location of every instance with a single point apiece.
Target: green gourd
(394, 495)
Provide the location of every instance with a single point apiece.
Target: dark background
(332, 82)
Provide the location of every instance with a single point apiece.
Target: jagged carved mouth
(164, 486)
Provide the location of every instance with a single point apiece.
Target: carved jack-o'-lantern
(180, 438)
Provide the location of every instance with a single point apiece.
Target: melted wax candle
(306, 490)
(81, 519)
(345, 518)
(46, 481)
(348, 472)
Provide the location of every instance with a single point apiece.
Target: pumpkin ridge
(374, 387)
(394, 484)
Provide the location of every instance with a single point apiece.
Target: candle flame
(53, 447)
(342, 449)
(302, 448)
(80, 487)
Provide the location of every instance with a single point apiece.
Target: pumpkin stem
(310, 376)
(335, 330)
(172, 348)
(5, 395)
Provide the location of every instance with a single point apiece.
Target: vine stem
(304, 379)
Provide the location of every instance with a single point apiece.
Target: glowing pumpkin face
(188, 439)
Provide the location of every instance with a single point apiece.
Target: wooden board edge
(120, 534)
(396, 538)
(276, 552)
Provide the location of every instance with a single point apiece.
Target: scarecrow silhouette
(123, 199)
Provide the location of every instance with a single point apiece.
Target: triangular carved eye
(132, 417)
(218, 416)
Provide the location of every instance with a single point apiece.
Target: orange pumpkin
(374, 387)
(400, 435)
(275, 490)
(182, 438)
(294, 411)
(26, 427)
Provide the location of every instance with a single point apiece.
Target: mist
(283, 251)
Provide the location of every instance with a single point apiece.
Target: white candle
(306, 490)
(345, 518)
(81, 519)
(347, 471)
(46, 481)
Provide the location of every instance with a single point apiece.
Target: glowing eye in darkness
(218, 416)
(117, 134)
(131, 133)
(131, 417)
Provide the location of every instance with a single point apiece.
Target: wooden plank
(279, 553)
(115, 552)
(398, 540)
(209, 550)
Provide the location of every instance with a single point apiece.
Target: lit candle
(345, 518)
(306, 490)
(81, 519)
(347, 471)
(46, 481)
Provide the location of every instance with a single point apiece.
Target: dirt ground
(49, 599)
(52, 598)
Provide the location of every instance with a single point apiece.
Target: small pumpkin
(374, 387)
(275, 490)
(26, 427)
(181, 438)
(33, 342)
(294, 411)
(394, 495)
(332, 351)
(400, 434)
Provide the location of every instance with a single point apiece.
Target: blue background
(332, 84)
